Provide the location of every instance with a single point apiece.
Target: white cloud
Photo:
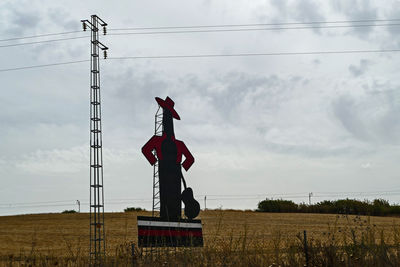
(366, 165)
(54, 162)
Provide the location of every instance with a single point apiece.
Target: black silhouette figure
(169, 152)
(192, 207)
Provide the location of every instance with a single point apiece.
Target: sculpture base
(157, 232)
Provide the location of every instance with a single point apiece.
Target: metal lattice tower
(156, 183)
(97, 230)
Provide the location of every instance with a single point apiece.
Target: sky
(259, 127)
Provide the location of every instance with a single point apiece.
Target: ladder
(156, 183)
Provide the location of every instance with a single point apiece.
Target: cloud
(252, 110)
(316, 61)
(392, 39)
(370, 118)
(301, 11)
(17, 19)
(249, 110)
(345, 110)
(64, 19)
(359, 70)
(308, 11)
(366, 165)
(357, 10)
(54, 162)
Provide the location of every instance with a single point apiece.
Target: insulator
(104, 30)
(105, 54)
(84, 26)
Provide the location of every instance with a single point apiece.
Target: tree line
(377, 207)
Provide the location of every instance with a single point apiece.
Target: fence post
(306, 248)
(133, 253)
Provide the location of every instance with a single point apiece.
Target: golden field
(67, 235)
(56, 232)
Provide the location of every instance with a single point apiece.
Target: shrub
(129, 209)
(378, 207)
(69, 211)
(279, 205)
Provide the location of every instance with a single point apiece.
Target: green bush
(129, 209)
(279, 205)
(378, 207)
(69, 211)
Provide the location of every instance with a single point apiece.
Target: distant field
(66, 234)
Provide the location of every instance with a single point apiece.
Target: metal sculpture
(169, 152)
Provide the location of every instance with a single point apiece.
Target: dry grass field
(66, 235)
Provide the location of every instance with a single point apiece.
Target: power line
(210, 199)
(254, 24)
(66, 205)
(44, 65)
(38, 206)
(37, 36)
(116, 201)
(302, 194)
(208, 26)
(34, 203)
(199, 31)
(190, 31)
(256, 29)
(358, 192)
(211, 56)
(44, 41)
(216, 197)
(259, 54)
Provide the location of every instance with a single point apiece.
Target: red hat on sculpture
(168, 104)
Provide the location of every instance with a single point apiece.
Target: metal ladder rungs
(96, 223)
(96, 166)
(96, 240)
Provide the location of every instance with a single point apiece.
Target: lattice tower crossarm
(158, 128)
(97, 227)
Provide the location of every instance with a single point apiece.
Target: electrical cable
(44, 65)
(40, 202)
(257, 54)
(211, 56)
(208, 26)
(186, 31)
(254, 24)
(37, 36)
(213, 197)
(254, 29)
(44, 41)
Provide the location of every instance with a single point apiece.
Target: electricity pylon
(97, 230)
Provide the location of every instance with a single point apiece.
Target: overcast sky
(258, 127)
